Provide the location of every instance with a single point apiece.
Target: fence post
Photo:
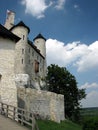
(22, 117)
(19, 114)
(2, 109)
(34, 125)
(7, 107)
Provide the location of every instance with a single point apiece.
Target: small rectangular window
(29, 61)
(0, 76)
(32, 53)
(37, 57)
(23, 37)
(22, 51)
(0, 79)
(22, 61)
(36, 66)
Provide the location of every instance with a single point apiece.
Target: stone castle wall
(45, 105)
(17, 75)
(25, 58)
(8, 90)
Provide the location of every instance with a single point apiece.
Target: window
(32, 53)
(0, 79)
(22, 51)
(22, 61)
(36, 66)
(23, 37)
(29, 61)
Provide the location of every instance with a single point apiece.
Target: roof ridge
(21, 23)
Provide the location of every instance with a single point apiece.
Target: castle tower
(21, 30)
(40, 43)
(9, 23)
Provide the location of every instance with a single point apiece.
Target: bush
(90, 124)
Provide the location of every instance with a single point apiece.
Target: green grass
(64, 125)
(90, 117)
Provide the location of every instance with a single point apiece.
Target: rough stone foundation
(44, 105)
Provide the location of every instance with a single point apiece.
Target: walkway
(8, 124)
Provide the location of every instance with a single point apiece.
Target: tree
(61, 81)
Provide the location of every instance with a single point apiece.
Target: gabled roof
(8, 34)
(39, 36)
(21, 23)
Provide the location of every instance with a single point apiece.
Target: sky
(71, 30)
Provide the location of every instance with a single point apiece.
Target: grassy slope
(64, 125)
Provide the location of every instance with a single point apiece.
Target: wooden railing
(18, 114)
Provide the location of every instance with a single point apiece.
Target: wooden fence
(18, 114)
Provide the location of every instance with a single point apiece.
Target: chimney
(9, 23)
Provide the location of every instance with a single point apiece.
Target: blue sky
(71, 30)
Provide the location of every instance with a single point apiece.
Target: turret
(39, 42)
(21, 30)
(9, 23)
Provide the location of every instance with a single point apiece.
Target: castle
(23, 71)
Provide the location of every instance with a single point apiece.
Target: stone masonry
(23, 70)
(44, 105)
(8, 90)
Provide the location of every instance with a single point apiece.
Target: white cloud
(87, 85)
(90, 60)
(91, 100)
(58, 53)
(36, 7)
(60, 4)
(83, 56)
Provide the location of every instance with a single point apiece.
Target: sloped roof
(39, 36)
(8, 34)
(21, 23)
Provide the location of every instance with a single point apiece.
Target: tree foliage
(61, 81)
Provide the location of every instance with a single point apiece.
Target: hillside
(93, 111)
(64, 125)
